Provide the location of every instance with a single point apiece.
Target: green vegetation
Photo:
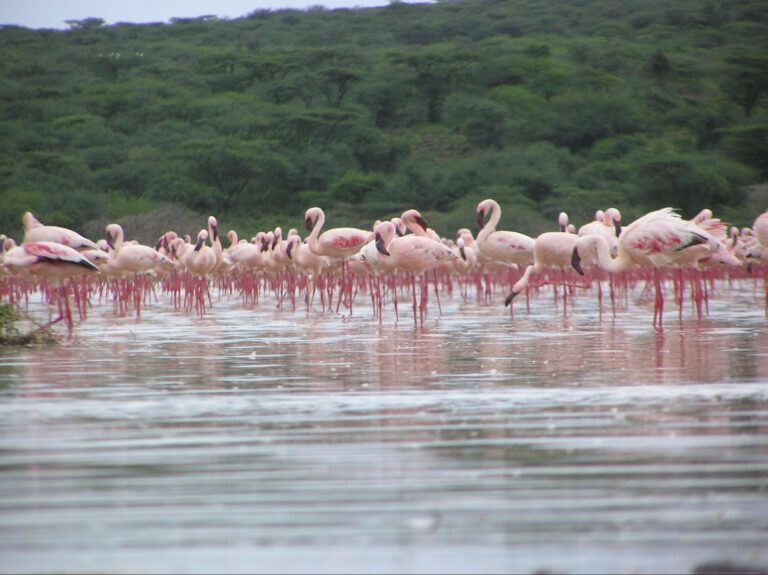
(574, 105)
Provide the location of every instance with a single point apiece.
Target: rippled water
(258, 439)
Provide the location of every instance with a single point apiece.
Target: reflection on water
(264, 440)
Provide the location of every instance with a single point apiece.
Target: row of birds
(657, 240)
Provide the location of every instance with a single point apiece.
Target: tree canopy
(366, 112)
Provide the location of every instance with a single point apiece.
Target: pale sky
(53, 13)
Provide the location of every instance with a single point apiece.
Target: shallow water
(257, 439)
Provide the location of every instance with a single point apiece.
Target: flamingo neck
(493, 221)
(312, 240)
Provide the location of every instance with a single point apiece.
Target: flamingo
(338, 243)
(213, 235)
(551, 250)
(199, 262)
(655, 240)
(34, 231)
(55, 263)
(416, 255)
(131, 259)
(502, 246)
(608, 226)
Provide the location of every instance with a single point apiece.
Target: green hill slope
(544, 106)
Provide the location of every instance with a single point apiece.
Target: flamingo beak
(274, 241)
(463, 255)
(422, 222)
(264, 244)
(288, 250)
(110, 241)
(215, 230)
(510, 297)
(400, 233)
(481, 219)
(309, 224)
(576, 261)
(617, 227)
(380, 244)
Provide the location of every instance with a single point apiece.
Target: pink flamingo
(57, 264)
(416, 255)
(34, 231)
(608, 226)
(503, 246)
(199, 261)
(338, 243)
(653, 241)
(129, 257)
(213, 235)
(551, 250)
(132, 259)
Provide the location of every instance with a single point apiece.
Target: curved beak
(274, 241)
(481, 219)
(576, 261)
(380, 244)
(110, 241)
(463, 255)
(309, 224)
(264, 244)
(288, 250)
(422, 222)
(617, 227)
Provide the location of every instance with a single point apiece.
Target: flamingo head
(462, 253)
(415, 217)
(399, 226)
(311, 216)
(380, 244)
(202, 236)
(111, 232)
(213, 225)
(562, 220)
(614, 216)
(292, 241)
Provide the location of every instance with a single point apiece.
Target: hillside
(575, 105)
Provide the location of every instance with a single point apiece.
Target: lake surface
(256, 439)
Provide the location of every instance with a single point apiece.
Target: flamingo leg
(437, 296)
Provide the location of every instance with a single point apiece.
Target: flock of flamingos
(660, 251)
